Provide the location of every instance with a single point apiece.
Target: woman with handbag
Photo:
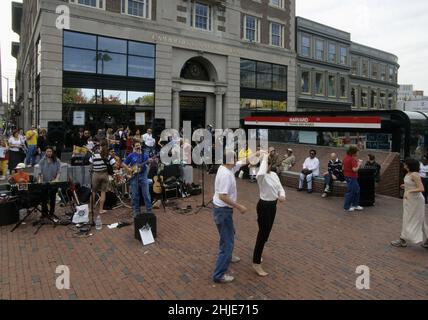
(102, 166)
(16, 150)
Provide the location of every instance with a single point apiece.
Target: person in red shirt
(351, 165)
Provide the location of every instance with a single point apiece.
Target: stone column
(219, 108)
(176, 109)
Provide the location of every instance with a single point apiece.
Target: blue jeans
(31, 155)
(223, 218)
(352, 196)
(309, 178)
(149, 150)
(139, 185)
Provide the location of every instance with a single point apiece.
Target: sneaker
(310, 191)
(324, 195)
(351, 209)
(327, 189)
(300, 190)
(359, 208)
(400, 243)
(226, 279)
(235, 259)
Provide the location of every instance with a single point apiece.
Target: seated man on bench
(334, 173)
(311, 170)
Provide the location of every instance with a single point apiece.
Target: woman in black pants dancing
(271, 191)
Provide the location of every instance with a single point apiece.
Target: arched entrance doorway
(195, 94)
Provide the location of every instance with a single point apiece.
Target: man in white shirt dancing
(149, 142)
(311, 170)
(224, 200)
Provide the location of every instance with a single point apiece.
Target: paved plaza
(313, 253)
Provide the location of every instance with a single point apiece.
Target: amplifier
(80, 161)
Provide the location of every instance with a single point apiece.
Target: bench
(291, 179)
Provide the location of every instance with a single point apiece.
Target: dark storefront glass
(111, 63)
(79, 60)
(112, 45)
(80, 40)
(262, 75)
(141, 67)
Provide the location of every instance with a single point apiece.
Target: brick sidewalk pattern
(313, 253)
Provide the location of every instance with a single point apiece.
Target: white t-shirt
(313, 165)
(225, 183)
(15, 144)
(423, 172)
(148, 140)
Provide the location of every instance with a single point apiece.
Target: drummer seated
(20, 176)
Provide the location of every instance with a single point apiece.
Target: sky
(394, 26)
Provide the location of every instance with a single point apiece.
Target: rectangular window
(319, 49)
(143, 99)
(200, 16)
(343, 55)
(383, 72)
(305, 47)
(319, 84)
(391, 74)
(365, 68)
(354, 97)
(375, 70)
(103, 55)
(355, 70)
(332, 53)
(277, 3)
(343, 89)
(263, 105)
(276, 34)
(332, 86)
(78, 96)
(382, 100)
(138, 8)
(262, 75)
(373, 99)
(306, 85)
(252, 29)
(390, 101)
(364, 98)
(100, 4)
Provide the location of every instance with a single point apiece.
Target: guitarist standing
(136, 163)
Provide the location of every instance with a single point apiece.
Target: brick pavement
(313, 254)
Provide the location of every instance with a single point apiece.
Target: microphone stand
(203, 206)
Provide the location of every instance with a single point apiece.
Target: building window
(200, 17)
(277, 3)
(365, 68)
(382, 100)
(343, 55)
(263, 105)
(395, 75)
(353, 97)
(252, 29)
(38, 57)
(108, 56)
(305, 47)
(319, 84)
(343, 89)
(100, 4)
(332, 53)
(306, 83)
(262, 75)
(391, 74)
(276, 34)
(364, 98)
(373, 99)
(139, 8)
(355, 66)
(375, 70)
(390, 101)
(319, 49)
(332, 86)
(383, 72)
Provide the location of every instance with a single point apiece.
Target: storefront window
(111, 57)
(262, 75)
(145, 99)
(263, 105)
(79, 96)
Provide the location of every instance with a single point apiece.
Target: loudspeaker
(56, 132)
(141, 221)
(111, 201)
(159, 125)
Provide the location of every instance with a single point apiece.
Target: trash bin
(366, 180)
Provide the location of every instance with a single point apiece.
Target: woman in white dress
(415, 227)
